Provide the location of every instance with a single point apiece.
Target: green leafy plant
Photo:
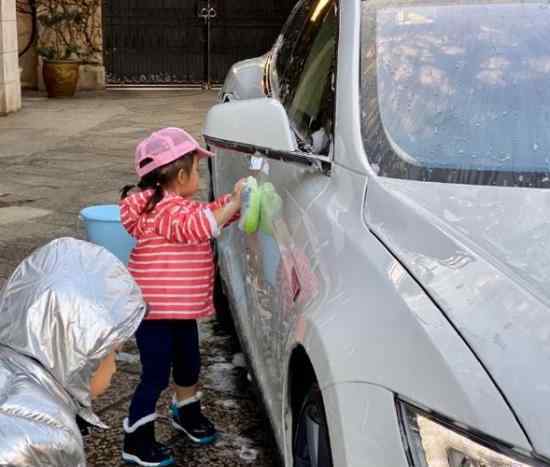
(69, 30)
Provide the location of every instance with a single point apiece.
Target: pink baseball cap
(165, 146)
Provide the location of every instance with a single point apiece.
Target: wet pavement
(58, 156)
(229, 400)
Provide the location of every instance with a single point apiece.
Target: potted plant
(70, 35)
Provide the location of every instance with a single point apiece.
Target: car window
(308, 87)
(289, 37)
(457, 93)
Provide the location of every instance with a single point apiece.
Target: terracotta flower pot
(60, 77)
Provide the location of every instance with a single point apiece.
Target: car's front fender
(363, 426)
(372, 323)
(391, 335)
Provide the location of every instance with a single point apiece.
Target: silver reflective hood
(67, 306)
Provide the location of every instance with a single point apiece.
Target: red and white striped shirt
(172, 261)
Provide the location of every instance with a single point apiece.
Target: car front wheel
(311, 446)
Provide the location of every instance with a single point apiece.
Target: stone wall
(10, 86)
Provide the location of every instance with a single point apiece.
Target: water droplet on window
(535, 147)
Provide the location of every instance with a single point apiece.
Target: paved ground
(58, 156)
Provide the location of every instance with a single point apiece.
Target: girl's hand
(223, 215)
(236, 195)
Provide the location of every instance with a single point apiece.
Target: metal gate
(186, 41)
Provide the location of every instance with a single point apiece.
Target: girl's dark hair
(160, 178)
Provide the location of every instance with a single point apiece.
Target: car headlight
(436, 443)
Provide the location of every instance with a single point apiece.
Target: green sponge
(250, 206)
(271, 205)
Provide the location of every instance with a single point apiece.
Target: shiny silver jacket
(64, 309)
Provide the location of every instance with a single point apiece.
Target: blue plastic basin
(103, 227)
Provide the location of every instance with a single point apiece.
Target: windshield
(457, 93)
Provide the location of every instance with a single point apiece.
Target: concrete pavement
(58, 156)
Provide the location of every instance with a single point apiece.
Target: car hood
(483, 254)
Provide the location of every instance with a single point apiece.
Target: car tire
(311, 446)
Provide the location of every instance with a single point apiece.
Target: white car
(395, 300)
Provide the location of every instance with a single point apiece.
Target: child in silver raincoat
(64, 313)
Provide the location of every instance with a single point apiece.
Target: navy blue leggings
(165, 346)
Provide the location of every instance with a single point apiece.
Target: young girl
(173, 264)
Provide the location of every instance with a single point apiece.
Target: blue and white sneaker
(188, 419)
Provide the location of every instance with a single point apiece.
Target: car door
(282, 266)
(273, 275)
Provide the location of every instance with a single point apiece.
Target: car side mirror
(258, 123)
